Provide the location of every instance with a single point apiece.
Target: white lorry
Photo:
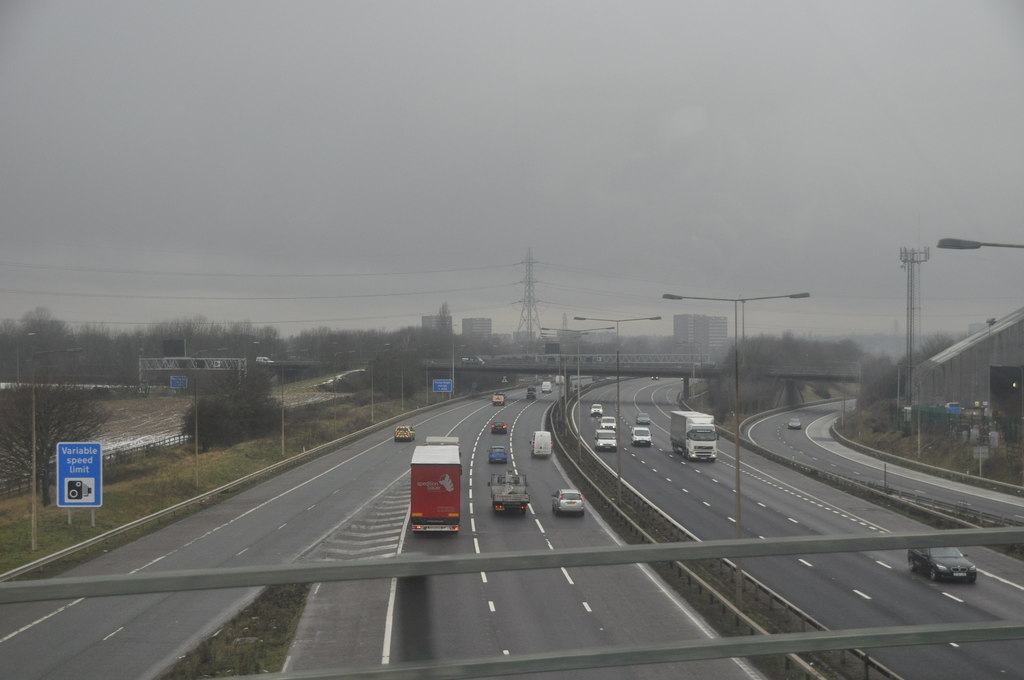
(694, 435)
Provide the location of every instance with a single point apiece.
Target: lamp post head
(671, 296)
(958, 244)
(800, 295)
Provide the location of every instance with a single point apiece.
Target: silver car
(567, 501)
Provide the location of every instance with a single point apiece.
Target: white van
(604, 440)
(541, 444)
(545, 387)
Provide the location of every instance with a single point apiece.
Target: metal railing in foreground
(208, 579)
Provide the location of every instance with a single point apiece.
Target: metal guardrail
(665, 526)
(202, 498)
(18, 485)
(973, 480)
(742, 646)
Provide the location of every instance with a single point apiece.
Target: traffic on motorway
(355, 502)
(840, 590)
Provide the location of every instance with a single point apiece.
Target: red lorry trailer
(436, 498)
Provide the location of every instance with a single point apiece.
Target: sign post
(442, 384)
(79, 475)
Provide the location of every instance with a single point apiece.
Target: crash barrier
(743, 646)
(562, 660)
(235, 485)
(647, 523)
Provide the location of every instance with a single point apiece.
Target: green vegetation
(166, 477)
(255, 641)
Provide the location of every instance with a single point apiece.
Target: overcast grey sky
(356, 164)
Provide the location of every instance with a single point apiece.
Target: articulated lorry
(694, 435)
(436, 498)
(508, 492)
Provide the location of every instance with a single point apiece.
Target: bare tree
(64, 413)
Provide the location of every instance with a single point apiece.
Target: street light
(618, 419)
(963, 244)
(35, 356)
(579, 412)
(736, 370)
(281, 365)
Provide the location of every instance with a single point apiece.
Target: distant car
(264, 360)
(608, 423)
(567, 501)
(643, 419)
(794, 424)
(596, 410)
(497, 454)
(404, 433)
(942, 564)
(499, 428)
(498, 400)
(654, 377)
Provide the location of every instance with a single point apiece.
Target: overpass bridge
(631, 365)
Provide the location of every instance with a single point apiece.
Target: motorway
(350, 504)
(840, 590)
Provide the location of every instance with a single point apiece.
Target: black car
(942, 564)
(499, 428)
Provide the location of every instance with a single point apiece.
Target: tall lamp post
(579, 413)
(281, 365)
(618, 419)
(35, 455)
(736, 411)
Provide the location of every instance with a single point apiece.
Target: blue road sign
(442, 384)
(179, 382)
(79, 475)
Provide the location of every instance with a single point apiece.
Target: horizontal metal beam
(211, 579)
(686, 650)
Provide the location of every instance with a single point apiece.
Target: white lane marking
(476, 545)
(151, 562)
(804, 562)
(864, 595)
(490, 605)
(954, 598)
(883, 564)
(113, 634)
(483, 577)
(587, 607)
(540, 526)
(567, 577)
(40, 620)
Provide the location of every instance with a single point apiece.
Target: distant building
(479, 327)
(705, 336)
(437, 323)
